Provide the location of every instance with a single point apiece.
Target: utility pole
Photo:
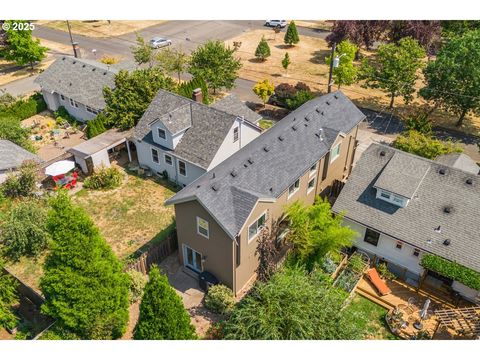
(334, 45)
(74, 44)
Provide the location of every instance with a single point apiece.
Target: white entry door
(192, 259)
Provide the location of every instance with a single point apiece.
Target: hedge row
(452, 270)
(23, 109)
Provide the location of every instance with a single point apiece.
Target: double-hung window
(202, 227)
(294, 188)
(235, 134)
(313, 169)
(335, 153)
(311, 185)
(256, 227)
(168, 159)
(162, 134)
(155, 155)
(182, 168)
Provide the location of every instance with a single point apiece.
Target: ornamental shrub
(452, 270)
(23, 183)
(24, 232)
(137, 285)
(220, 299)
(300, 98)
(104, 179)
(24, 108)
(424, 145)
(162, 315)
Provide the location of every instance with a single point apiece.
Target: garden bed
(351, 274)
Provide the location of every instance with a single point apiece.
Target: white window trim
(391, 198)
(165, 159)
(179, 173)
(413, 253)
(259, 229)
(158, 133)
(332, 159)
(208, 228)
(314, 171)
(158, 155)
(309, 190)
(296, 189)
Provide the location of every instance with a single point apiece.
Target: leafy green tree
(8, 297)
(173, 61)
(298, 99)
(22, 183)
(291, 35)
(162, 315)
(453, 79)
(292, 305)
(452, 28)
(216, 64)
(395, 69)
(21, 47)
(264, 89)
(263, 50)
(84, 285)
(314, 231)
(420, 123)
(143, 53)
(424, 145)
(11, 129)
(286, 62)
(346, 73)
(24, 232)
(133, 92)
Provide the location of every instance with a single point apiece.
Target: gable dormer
(168, 130)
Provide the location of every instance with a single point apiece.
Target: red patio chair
(68, 186)
(73, 182)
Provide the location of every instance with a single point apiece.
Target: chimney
(197, 95)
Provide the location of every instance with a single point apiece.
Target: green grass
(265, 124)
(371, 319)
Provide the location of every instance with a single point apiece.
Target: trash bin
(207, 279)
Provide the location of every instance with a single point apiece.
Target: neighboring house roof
(264, 168)
(206, 126)
(99, 142)
(12, 155)
(459, 161)
(79, 79)
(233, 105)
(416, 222)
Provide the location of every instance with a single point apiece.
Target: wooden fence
(155, 254)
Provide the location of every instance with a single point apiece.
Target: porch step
(190, 272)
(374, 298)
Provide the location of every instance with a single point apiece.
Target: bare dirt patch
(101, 28)
(132, 216)
(308, 66)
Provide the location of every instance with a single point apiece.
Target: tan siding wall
(218, 248)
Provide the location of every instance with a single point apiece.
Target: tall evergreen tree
(291, 36)
(162, 315)
(263, 50)
(84, 285)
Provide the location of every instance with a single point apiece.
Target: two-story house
(403, 206)
(185, 138)
(220, 215)
(77, 85)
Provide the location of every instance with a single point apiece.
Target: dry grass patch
(10, 72)
(308, 65)
(101, 28)
(132, 216)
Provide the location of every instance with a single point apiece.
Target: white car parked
(158, 42)
(276, 23)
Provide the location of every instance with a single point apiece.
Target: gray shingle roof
(459, 161)
(207, 126)
(231, 189)
(402, 175)
(99, 142)
(12, 155)
(416, 222)
(80, 79)
(233, 105)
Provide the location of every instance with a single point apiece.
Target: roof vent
(469, 181)
(442, 171)
(70, 84)
(294, 119)
(305, 124)
(213, 175)
(266, 148)
(382, 153)
(83, 65)
(306, 118)
(327, 102)
(63, 58)
(250, 160)
(280, 137)
(429, 241)
(294, 128)
(438, 229)
(447, 209)
(245, 165)
(74, 62)
(335, 96)
(271, 189)
(446, 242)
(233, 173)
(94, 69)
(318, 110)
(105, 73)
(215, 187)
(198, 186)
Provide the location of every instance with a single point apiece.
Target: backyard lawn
(131, 217)
(372, 319)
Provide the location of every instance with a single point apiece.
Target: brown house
(220, 214)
